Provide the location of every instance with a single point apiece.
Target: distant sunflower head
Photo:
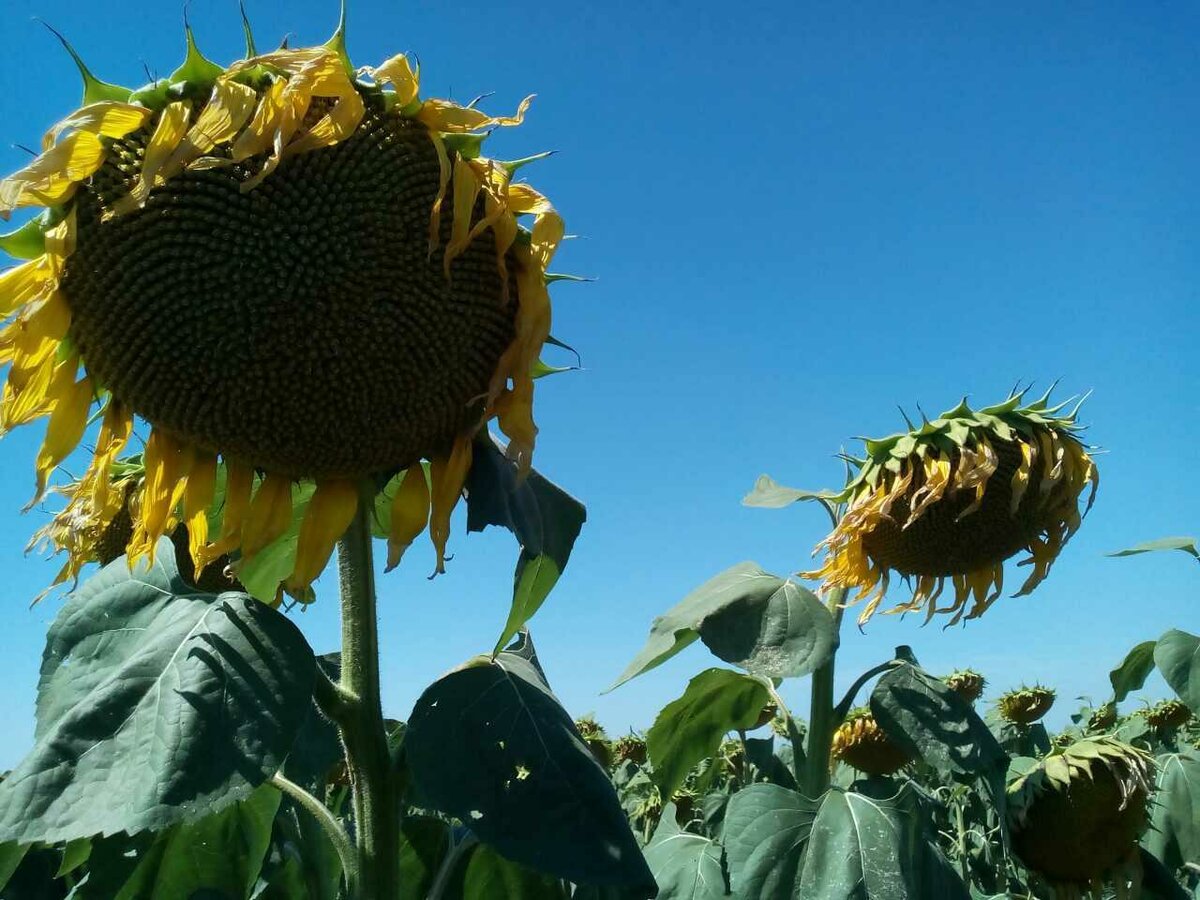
(296, 268)
(967, 684)
(862, 744)
(1168, 715)
(1076, 816)
(1025, 705)
(630, 748)
(953, 499)
(1102, 717)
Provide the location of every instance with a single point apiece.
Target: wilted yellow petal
(239, 480)
(398, 73)
(260, 133)
(330, 512)
(170, 130)
(60, 240)
(65, 429)
(1020, 479)
(450, 118)
(115, 430)
(448, 475)
(25, 283)
(435, 216)
(222, 117)
(269, 516)
(165, 463)
(110, 119)
(197, 498)
(52, 177)
(466, 190)
(410, 513)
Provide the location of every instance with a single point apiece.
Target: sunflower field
(280, 318)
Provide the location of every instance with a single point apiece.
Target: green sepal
(94, 90)
(337, 43)
(468, 146)
(153, 95)
(196, 68)
(542, 369)
(26, 242)
(513, 165)
(551, 277)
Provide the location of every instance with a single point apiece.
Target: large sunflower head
(967, 683)
(860, 743)
(955, 498)
(1025, 705)
(1168, 715)
(296, 268)
(1076, 816)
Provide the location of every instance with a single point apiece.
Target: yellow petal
(170, 130)
(25, 283)
(448, 117)
(164, 460)
(466, 190)
(110, 119)
(239, 480)
(222, 117)
(259, 134)
(435, 216)
(29, 398)
(52, 177)
(67, 422)
(448, 475)
(115, 430)
(269, 516)
(330, 512)
(410, 513)
(1020, 479)
(197, 498)
(60, 240)
(398, 73)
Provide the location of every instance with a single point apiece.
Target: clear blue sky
(800, 216)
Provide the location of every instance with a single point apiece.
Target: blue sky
(799, 216)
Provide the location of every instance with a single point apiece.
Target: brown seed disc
(935, 544)
(302, 326)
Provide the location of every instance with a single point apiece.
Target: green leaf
(545, 519)
(488, 876)
(931, 721)
(691, 728)
(1131, 674)
(423, 844)
(110, 865)
(761, 754)
(686, 866)
(1174, 833)
(75, 854)
(1158, 883)
(744, 587)
(873, 848)
(767, 493)
(1186, 544)
(1177, 656)
(381, 519)
(11, 855)
(26, 242)
(156, 704)
(317, 747)
(766, 828)
(783, 634)
(221, 854)
(490, 744)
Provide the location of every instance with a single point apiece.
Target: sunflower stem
(822, 717)
(364, 738)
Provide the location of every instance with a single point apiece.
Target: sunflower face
(955, 498)
(1076, 817)
(296, 268)
(860, 743)
(967, 684)
(1102, 718)
(630, 748)
(1025, 706)
(1168, 715)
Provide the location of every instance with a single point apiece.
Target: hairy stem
(372, 777)
(333, 830)
(821, 720)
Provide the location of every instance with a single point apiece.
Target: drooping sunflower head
(955, 498)
(1168, 715)
(862, 744)
(631, 748)
(596, 738)
(1102, 717)
(304, 270)
(1076, 816)
(967, 683)
(1025, 705)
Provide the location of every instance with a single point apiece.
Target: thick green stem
(360, 719)
(822, 720)
(333, 829)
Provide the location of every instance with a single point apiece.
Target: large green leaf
(690, 729)
(932, 721)
(221, 854)
(874, 848)
(156, 704)
(1174, 832)
(1131, 674)
(1177, 656)
(490, 744)
(768, 493)
(111, 864)
(686, 866)
(424, 842)
(766, 828)
(792, 639)
(489, 876)
(1186, 544)
(11, 855)
(545, 519)
(762, 755)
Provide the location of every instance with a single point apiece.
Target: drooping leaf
(766, 828)
(490, 744)
(111, 864)
(768, 493)
(1158, 883)
(1131, 674)
(545, 519)
(317, 747)
(686, 866)
(11, 855)
(75, 854)
(221, 854)
(423, 844)
(690, 729)
(749, 590)
(307, 844)
(1174, 833)
(157, 704)
(865, 847)
(1177, 656)
(487, 875)
(761, 754)
(1186, 544)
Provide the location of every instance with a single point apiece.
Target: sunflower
(1025, 705)
(967, 683)
(1076, 816)
(290, 268)
(862, 744)
(955, 498)
(1167, 715)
